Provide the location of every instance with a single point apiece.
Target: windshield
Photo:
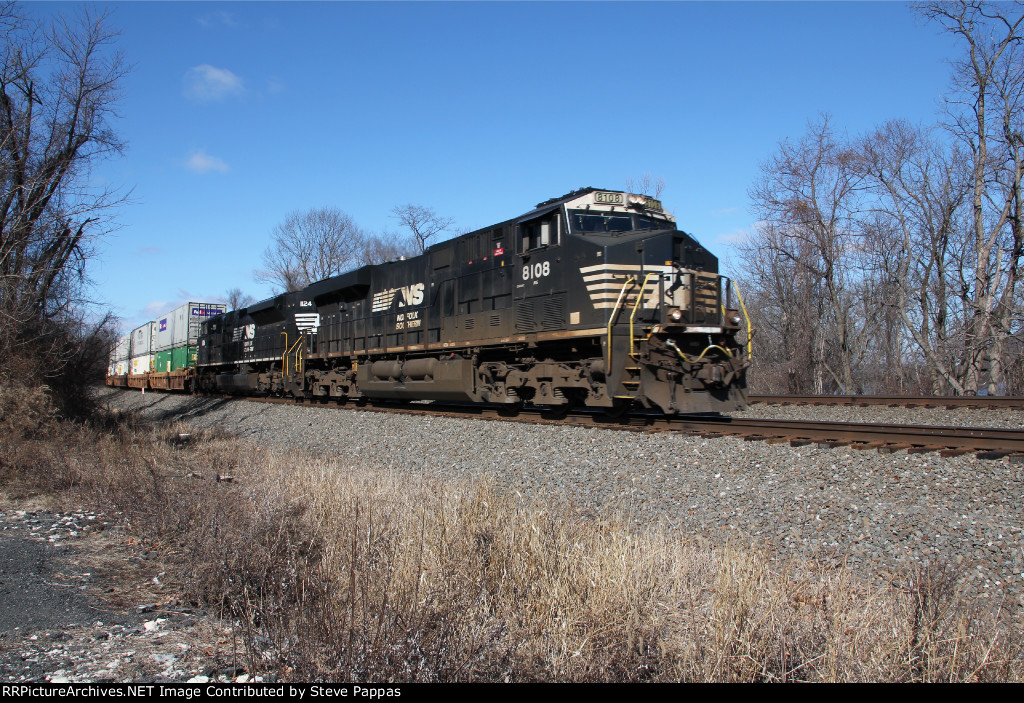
(590, 221)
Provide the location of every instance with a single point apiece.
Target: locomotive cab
(668, 320)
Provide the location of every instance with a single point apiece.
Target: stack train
(593, 299)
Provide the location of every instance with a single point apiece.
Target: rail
(926, 401)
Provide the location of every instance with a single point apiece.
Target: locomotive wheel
(510, 409)
(556, 412)
(619, 409)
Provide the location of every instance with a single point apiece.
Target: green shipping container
(162, 362)
(183, 358)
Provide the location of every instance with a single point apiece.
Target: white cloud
(208, 83)
(201, 162)
(740, 235)
(217, 19)
(152, 309)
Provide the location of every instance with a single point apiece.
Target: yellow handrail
(750, 336)
(288, 350)
(636, 305)
(285, 360)
(708, 348)
(611, 321)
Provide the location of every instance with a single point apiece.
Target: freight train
(592, 299)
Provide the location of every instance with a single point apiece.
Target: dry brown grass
(347, 572)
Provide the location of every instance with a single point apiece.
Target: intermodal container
(180, 327)
(123, 348)
(183, 358)
(188, 318)
(119, 355)
(163, 332)
(162, 361)
(142, 340)
(141, 364)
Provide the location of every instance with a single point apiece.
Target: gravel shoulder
(882, 514)
(84, 602)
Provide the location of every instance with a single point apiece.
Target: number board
(602, 198)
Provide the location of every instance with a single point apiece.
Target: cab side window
(539, 233)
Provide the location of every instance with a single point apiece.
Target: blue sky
(238, 113)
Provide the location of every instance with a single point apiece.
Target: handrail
(285, 359)
(750, 335)
(636, 305)
(288, 350)
(611, 321)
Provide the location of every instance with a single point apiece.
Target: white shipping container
(163, 332)
(141, 364)
(180, 327)
(188, 318)
(120, 350)
(142, 339)
(123, 348)
(121, 367)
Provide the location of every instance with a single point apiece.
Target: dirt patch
(86, 601)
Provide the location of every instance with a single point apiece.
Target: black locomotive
(591, 299)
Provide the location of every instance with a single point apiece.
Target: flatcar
(592, 299)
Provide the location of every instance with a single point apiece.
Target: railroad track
(987, 443)
(990, 443)
(921, 401)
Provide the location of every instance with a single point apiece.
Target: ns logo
(411, 295)
(408, 296)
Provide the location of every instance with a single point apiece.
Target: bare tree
(310, 246)
(785, 307)
(986, 116)
(902, 252)
(59, 85)
(387, 246)
(236, 299)
(646, 185)
(808, 200)
(423, 223)
(915, 233)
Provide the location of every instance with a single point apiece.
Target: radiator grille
(524, 316)
(554, 313)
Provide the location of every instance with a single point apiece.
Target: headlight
(736, 320)
(675, 314)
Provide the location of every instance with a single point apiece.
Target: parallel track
(989, 443)
(922, 401)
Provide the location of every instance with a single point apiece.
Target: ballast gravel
(882, 514)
